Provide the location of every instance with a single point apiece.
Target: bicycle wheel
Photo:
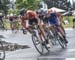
(2, 52)
(51, 38)
(62, 42)
(39, 47)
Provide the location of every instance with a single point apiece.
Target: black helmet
(22, 11)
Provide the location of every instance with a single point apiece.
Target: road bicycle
(41, 47)
(58, 36)
(50, 35)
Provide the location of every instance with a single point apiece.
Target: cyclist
(16, 22)
(12, 23)
(32, 18)
(11, 18)
(55, 19)
(23, 20)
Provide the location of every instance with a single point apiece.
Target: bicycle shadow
(56, 54)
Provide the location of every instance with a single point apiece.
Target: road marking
(69, 29)
(70, 59)
(71, 50)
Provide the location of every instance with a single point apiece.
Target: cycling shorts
(53, 21)
(32, 21)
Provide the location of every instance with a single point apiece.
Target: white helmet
(45, 11)
(0, 13)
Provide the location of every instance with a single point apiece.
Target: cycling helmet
(42, 11)
(22, 11)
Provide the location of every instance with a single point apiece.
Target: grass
(70, 18)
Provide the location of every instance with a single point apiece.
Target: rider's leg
(11, 24)
(29, 28)
(43, 33)
(62, 28)
(62, 33)
(23, 24)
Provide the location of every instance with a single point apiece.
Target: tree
(13, 11)
(51, 3)
(63, 4)
(28, 4)
(3, 5)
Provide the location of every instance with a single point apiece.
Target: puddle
(13, 46)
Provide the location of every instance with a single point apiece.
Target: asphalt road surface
(56, 53)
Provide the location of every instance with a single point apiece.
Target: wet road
(56, 53)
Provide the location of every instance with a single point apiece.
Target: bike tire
(41, 46)
(51, 38)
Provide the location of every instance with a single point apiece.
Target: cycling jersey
(31, 14)
(53, 19)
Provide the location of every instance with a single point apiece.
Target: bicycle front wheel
(39, 47)
(2, 52)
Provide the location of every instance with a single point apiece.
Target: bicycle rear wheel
(2, 52)
(51, 38)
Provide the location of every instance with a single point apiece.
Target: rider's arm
(38, 19)
(59, 16)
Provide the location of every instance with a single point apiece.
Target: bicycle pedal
(48, 45)
(37, 42)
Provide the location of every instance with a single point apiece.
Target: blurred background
(8, 7)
